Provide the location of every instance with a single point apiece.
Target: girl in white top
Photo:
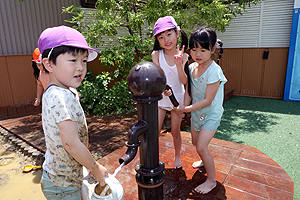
(167, 55)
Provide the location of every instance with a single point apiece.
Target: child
(65, 54)
(41, 76)
(206, 90)
(170, 59)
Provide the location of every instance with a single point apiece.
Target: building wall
(22, 23)
(17, 84)
(251, 75)
(20, 27)
(265, 26)
(247, 73)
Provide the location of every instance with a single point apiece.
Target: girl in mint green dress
(204, 98)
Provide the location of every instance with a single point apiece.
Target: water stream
(117, 170)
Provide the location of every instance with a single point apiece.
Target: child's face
(168, 39)
(201, 55)
(69, 70)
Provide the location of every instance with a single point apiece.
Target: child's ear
(213, 50)
(47, 64)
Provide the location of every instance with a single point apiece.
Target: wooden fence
(17, 83)
(246, 70)
(251, 75)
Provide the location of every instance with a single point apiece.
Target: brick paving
(243, 172)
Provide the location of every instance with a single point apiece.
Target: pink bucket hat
(63, 35)
(163, 24)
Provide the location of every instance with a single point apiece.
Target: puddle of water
(14, 184)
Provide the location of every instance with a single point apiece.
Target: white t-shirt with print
(61, 104)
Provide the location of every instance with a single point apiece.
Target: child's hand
(167, 93)
(99, 173)
(178, 56)
(180, 108)
(37, 102)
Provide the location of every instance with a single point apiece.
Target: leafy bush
(134, 45)
(98, 99)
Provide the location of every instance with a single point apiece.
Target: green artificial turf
(270, 125)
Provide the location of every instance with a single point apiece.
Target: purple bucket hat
(63, 35)
(163, 24)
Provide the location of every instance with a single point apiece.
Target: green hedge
(98, 99)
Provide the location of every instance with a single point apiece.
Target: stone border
(22, 146)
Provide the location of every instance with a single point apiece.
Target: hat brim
(93, 53)
(163, 29)
(37, 61)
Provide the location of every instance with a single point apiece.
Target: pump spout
(132, 141)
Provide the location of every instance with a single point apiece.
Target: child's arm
(69, 136)
(39, 89)
(187, 98)
(155, 57)
(210, 93)
(180, 59)
(39, 92)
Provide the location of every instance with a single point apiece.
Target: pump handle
(172, 97)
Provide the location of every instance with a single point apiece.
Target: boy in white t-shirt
(65, 54)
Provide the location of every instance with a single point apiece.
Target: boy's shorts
(52, 191)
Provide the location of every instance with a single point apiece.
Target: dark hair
(61, 50)
(186, 70)
(220, 43)
(184, 40)
(207, 39)
(203, 36)
(36, 70)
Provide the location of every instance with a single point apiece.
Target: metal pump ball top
(146, 81)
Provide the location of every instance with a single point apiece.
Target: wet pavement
(242, 171)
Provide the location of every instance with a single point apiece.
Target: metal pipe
(146, 81)
(132, 141)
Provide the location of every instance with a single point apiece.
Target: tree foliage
(98, 99)
(136, 18)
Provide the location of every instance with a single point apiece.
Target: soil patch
(108, 133)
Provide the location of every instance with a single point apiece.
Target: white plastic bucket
(115, 187)
(89, 184)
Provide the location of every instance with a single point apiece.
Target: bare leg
(195, 136)
(161, 117)
(203, 139)
(175, 131)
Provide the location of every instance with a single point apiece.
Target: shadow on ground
(177, 185)
(246, 115)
